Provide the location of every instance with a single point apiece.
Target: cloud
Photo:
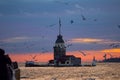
(30, 14)
(92, 40)
(19, 39)
(70, 11)
(87, 10)
(38, 0)
(79, 7)
(117, 50)
(15, 39)
(85, 40)
(23, 39)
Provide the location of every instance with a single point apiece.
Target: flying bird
(105, 56)
(34, 57)
(69, 45)
(119, 26)
(114, 45)
(66, 3)
(110, 55)
(111, 44)
(52, 25)
(67, 41)
(71, 21)
(44, 50)
(83, 18)
(95, 19)
(61, 2)
(82, 53)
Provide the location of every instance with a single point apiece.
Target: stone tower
(59, 48)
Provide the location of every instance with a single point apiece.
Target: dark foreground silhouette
(8, 68)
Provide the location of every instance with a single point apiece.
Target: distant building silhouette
(111, 59)
(60, 57)
(116, 59)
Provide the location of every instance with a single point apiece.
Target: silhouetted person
(16, 74)
(15, 65)
(5, 61)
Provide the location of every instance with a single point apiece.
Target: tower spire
(59, 26)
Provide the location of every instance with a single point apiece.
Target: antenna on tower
(59, 26)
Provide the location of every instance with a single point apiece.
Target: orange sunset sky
(40, 57)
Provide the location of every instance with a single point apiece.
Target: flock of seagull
(44, 50)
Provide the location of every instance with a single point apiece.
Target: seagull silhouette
(95, 19)
(83, 17)
(119, 26)
(82, 53)
(69, 45)
(71, 21)
(52, 25)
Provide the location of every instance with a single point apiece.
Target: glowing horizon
(40, 57)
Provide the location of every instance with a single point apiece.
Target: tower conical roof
(59, 39)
